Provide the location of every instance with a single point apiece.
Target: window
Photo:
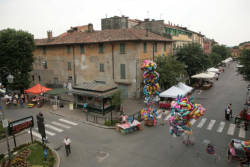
(123, 71)
(145, 47)
(155, 47)
(45, 65)
(101, 67)
(33, 78)
(122, 48)
(69, 66)
(82, 49)
(101, 48)
(165, 46)
(68, 49)
(56, 80)
(44, 50)
(39, 78)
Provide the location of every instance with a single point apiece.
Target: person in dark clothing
(246, 160)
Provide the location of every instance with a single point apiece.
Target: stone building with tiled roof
(111, 56)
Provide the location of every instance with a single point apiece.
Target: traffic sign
(5, 123)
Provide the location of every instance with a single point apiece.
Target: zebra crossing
(212, 124)
(54, 127)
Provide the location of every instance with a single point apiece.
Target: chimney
(90, 27)
(49, 33)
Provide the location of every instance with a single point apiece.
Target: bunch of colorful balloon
(183, 111)
(151, 88)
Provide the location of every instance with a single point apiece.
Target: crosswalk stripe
(61, 125)
(242, 133)
(48, 132)
(169, 115)
(231, 129)
(53, 127)
(35, 134)
(211, 124)
(202, 122)
(221, 127)
(192, 121)
(68, 122)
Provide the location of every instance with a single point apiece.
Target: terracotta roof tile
(102, 36)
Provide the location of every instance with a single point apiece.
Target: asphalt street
(94, 147)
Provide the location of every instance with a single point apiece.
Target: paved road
(92, 146)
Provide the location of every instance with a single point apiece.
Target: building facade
(108, 57)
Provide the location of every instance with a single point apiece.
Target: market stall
(128, 127)
(205, 80)
(214, 70)
(97, 96)
(36, 93)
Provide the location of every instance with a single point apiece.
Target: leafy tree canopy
(171, 71)
(16, 57)
(215, 59)
(221, 50)
(193, 57)
(245, 61)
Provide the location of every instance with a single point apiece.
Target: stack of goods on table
(150, 90)
(241, 147)
(129, 127)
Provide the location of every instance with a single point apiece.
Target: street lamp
(5, 122)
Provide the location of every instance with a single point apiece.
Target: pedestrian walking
(231, 111)
(227, 113)
(163, 117)
(67, 143)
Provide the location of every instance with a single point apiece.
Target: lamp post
(5, 122)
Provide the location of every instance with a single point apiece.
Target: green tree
(16, 57)
(193, 57)
(171, 71)
(221, 50)
(215, 59)
(245, 61)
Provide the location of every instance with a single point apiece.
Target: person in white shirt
(67, 143)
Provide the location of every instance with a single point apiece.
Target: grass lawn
(36, 156)
(2, 131)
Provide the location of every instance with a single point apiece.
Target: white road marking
(211, 124)
(221, 127)
(242, 133)
(202, 122)
(53, 127)
(35, 134)
(48, 132)
(193, 121)
(61, 125)
(231, 129)
(68, 122)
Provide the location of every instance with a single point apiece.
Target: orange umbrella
(37, 89)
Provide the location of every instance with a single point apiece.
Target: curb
(58, 160)
(11, 137)
(85, 122)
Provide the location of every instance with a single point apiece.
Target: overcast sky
(226, 21)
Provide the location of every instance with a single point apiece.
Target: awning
(57, 91)
(184, 87)
(216, 70)
(173, 92)
(207, 75)
(37, 89)
(227, 60)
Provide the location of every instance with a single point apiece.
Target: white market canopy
(227, 60)
(216, 70)
(185, 87)
(2, 91)
(207, 75)
(174, 91)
